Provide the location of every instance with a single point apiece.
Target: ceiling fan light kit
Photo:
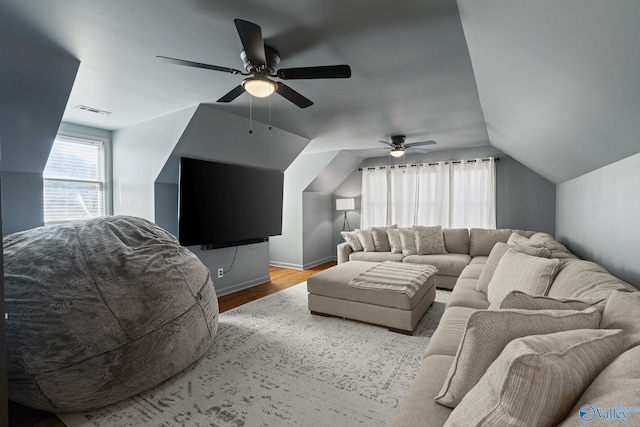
(259, 87)
(397, 151)
(261, 62)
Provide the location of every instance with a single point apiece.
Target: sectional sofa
(528, 339)
(453, 250)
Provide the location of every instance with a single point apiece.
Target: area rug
(274, 364)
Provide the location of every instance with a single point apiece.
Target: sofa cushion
(622, 311)
(380, 239)
(517, 239)
(585, 279)
(521, 272)
(446, 338)
(417, 405)
(522, 301)
(366, 239)
(618, 385)
(351, 237)
(472, 271)
(408, 239)
(536, 379)
(429, 240)
(395, 244)
(488, 332)
(482, 240)
(447, 264)
(375, 256)
(464, 294)
(558, 250)
(456, 240)
(498, 251)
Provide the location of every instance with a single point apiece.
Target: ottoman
(331, 295)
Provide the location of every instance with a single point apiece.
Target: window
(74, 180)
(451, 194)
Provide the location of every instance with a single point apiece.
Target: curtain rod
(455, 162)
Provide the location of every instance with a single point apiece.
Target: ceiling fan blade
(419, 143)
(232, 94)
(252, 41)
(199, 65)
(387, 143)
(322, 72)
(419, 150)
(293, 96)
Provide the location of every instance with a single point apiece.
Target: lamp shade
(345, 204)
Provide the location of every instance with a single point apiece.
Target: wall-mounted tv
(222, 205)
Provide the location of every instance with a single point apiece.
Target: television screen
(223, 205)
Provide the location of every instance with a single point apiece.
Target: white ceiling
(549, 82)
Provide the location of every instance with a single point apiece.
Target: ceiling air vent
(93, 110)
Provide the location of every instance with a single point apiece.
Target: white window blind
(74, 181)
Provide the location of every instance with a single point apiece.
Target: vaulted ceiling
(553, 83)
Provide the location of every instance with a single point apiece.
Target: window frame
(87, 138)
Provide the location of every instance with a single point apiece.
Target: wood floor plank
(281, 278)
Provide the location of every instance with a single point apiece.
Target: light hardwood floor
(281, 278)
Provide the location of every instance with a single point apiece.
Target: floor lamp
(345, 205)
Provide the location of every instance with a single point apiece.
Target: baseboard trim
(302, 266)
(285, 265)
(318, 262)
(240, 286)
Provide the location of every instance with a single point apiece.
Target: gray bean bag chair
(101, 310)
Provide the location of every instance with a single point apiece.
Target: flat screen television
(222, 205)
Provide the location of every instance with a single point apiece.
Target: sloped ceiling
(558, 80)
(551, 83)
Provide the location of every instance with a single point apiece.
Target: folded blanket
(394, 276)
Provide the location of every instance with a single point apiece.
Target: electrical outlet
(220, 272)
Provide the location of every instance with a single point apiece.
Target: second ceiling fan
(398, 145)
(261, 63)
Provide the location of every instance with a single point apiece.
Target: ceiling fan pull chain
(250, 116)
(269, 113)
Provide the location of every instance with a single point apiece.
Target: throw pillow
(622, 311)
(522, 301)
(520, 272)
(380, 239)
(407, 237)
(366, 239)
(498, 251)
(351, 238)
(618, 385)
(486, 334)
(393, 234)
(516, 239)
(536, 380)
(429, 240)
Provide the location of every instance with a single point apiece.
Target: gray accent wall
(598, 217)
(35, 84)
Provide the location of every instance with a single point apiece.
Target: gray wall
(316, 229)
(35, 84)
(598, 217)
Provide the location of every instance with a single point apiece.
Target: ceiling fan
(261, 63)
(398, 145)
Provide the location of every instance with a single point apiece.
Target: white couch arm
(343, 252)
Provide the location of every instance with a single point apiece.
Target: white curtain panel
(374, 197)
(473, 194)
(434, 181)
(451, 194)
(403, 195)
